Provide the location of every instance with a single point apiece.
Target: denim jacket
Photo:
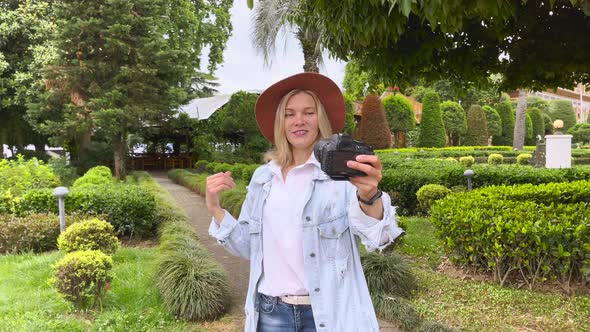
(332, 221)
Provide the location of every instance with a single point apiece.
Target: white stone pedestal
(559, 151)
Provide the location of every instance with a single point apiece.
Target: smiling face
(301, 121)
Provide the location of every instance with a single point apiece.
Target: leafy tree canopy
(533, 44)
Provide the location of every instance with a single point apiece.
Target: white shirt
(282, 231)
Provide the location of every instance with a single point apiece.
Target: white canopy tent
(203, 108)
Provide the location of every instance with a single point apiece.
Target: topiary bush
(495, 159)
(432, 127)
(93, 234)
(373, 128)
(467, 161)
(400, 117)
(95, 176)
(524, 158)
(477, 126)
(83, 277)
(430, 193)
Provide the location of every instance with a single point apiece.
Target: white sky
(243, 68)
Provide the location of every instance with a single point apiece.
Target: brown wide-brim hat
(327, 91)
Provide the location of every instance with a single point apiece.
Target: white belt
(296, 299)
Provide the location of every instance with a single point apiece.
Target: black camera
(333, 153)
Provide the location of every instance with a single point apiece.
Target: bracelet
(372, 200)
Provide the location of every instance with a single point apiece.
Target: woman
(297, 226)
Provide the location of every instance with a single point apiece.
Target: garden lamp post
(468, 174)
(61, 192)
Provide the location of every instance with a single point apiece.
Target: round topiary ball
(495, 159)
(430, 193)
(467, 161)
(523, 158)
(83, 277)
(93, 234)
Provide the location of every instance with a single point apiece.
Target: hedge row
(239, 171)
(193, 286)
(33, 232)
(403, 178)
(130, 208)
(534, 232)
(457, 152)
(231, 200)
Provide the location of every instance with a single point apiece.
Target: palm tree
(519, 125)
(274, 16)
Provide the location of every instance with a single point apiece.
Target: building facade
(580, 98)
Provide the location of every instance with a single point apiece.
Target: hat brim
(327, 91)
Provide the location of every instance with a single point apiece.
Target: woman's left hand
(367, 186)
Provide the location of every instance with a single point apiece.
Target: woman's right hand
(217, 183)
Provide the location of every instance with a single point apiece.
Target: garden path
(237, 268)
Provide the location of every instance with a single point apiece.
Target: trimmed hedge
(95, 176)
(193, 286)
(130, 208)
(403, 178)
(33, 232)
(534, 232)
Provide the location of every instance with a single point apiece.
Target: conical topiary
(477, 127)
(374, 129)
(432, 127)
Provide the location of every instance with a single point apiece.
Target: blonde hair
(282, 153)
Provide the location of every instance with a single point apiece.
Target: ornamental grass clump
(192, 285)
(83, 277)
(388, 273)
(93, 234)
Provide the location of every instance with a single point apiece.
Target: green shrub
(430, 193)
(83, 277)
(495, 159)
(396, 309)
(201, 166)
(563, 110)
(93, 234)
(66, 173)
(19, 175)
(95, 176)
(467, 161)
(128, 207)
(455, 121)
(451, 159)
(33, 232)
(400, 116)
(494, 122)
(536, 232)
(508, 117)
(523, 158)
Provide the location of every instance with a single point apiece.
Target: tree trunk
(120, 153)
(310, 57)
(520, 122)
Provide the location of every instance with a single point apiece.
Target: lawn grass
(29, 303)
(471, 305)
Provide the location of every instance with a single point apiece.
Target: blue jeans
(277, 316)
